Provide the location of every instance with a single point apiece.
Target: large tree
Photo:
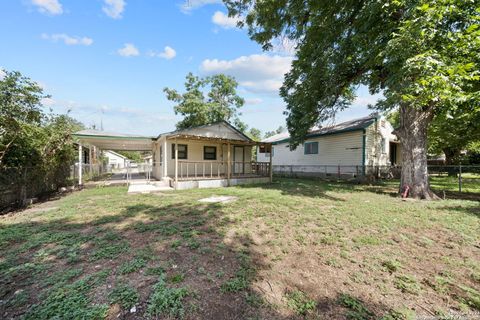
(452, 132)
(421, 54)
(20, 108)
(220, 103)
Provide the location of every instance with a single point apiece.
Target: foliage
(20, 108)
(165, 300)
(254, 134)
(407, 284)
(453, 131)
(422, 55)
(132, 266)
(221, 102)
(124, 295)
(29, 137)
(71, 301)
(136, 156)
(280, 129)
(356, 308)
(300, 303)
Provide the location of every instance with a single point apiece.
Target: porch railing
(219, 169)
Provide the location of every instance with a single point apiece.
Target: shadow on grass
(297, 187)
(475, 211)
(46, 268)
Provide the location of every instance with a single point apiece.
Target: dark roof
(347, 126)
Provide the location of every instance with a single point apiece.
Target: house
(213, 155)
(351, 148)
(115, 160)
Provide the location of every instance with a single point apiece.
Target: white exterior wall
(115, 160)
(375, 156)
(156, 159)
(195, 154)
(335, 149)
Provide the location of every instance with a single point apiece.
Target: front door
(238, 159)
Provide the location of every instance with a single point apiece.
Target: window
(264, 149)
(209, 153)
(311, 148)
(383, 146)
(182, 151)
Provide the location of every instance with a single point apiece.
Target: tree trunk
(413, 141)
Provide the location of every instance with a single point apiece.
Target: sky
(107, 61)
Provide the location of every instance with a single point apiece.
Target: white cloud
(224, 21)
(114, 8)
(258, 73)
(129, 50)
(190, 5)
(48, 102)
(2, 74)
(253, 101)
(168, 53)
(52, 7)
(365, 100)
(68, 40)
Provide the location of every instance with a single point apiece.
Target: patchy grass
(124, 295)
(300, 303)
(292, 249)
(166, 301)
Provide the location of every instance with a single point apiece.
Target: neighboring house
(148, 160)
(207, 156)
(115, 160)
(351, 147)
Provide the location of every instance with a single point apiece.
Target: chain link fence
(462, 178)
(20, 186)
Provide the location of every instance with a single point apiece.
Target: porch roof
(216, 139)
(114, 141)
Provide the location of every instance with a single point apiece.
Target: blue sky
(109, 60)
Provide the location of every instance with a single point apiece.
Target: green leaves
(220, 103)
(420, 53)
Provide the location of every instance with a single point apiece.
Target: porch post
(271, 167)
(176, 164)
(165, 158)
(80, 153)
(229, 164)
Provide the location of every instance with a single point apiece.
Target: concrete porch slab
(147, 188)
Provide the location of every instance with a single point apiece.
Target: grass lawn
(293, 249)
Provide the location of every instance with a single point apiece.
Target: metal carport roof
(114, 141)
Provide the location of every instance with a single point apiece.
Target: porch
(216, 155)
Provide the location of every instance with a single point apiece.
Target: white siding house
(212, 155)
(115, 160)
(349, 147)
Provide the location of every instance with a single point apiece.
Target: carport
(103, 140)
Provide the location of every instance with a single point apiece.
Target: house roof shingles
(352, 125)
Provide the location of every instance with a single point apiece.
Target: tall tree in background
(452, 132)
(221, 102)
(421, 54)
(280, 129)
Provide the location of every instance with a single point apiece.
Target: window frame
(180, 157)
(311, 143)
(214, 153)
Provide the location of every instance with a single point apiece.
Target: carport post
(80, 153)
(164, 158)
(271, 167)
(176, 164)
